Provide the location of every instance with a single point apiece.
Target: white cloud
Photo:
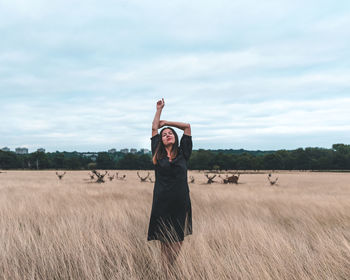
(238, 71)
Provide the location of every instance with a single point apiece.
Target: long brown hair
(161, 152)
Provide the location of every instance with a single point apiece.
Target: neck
(168, 149)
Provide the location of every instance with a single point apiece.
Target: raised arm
(186, 127)
(156, 120)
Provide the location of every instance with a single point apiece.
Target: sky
(258, 75)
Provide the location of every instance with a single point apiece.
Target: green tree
(129, 161)
(201, 159)
(105, 161)
(9, 160)
(57, 160)
(39, 160)
(273, 161)
(245, 161)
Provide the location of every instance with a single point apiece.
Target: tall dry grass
(71, 229)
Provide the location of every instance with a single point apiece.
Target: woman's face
(168, 137)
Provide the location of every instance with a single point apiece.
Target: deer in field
(272, 182)
(210, 179)
(110, 177)
(100, 177)
(192, 179)
(230, 180)
(143, 179)
(60, 176)
(150, 179)
(120, 178)
(92, 176)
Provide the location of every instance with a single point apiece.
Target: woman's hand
(160, 104)
(161, 123)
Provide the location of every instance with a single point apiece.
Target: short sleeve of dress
(154, 143)
(186, 145)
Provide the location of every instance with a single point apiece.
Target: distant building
(41, 150)
(21, 151)
(145, 151)
(91, 156)
(124, 151)
(112, 151)
(133, 151)
(5, 149)
(88, 154)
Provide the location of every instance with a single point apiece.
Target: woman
(171, 215)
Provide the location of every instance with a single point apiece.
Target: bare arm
(186, 127)
(155, 123)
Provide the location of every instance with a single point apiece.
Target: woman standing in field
(171, 215)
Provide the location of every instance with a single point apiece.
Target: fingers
(161, 102)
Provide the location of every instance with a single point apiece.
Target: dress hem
(162, 240)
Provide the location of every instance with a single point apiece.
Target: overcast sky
(86, 75)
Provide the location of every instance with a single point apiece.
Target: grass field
(73, 229)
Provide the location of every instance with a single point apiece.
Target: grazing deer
(272, 182)
(60, 176)
(150, 179)
(143, 179)
(100, 177)
(92, 176)
(230, 180)
(122, 178)
(233, 178)
(210, 179)
(192, 179)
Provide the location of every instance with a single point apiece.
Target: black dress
(171, 215)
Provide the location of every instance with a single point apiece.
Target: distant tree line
(336, 158)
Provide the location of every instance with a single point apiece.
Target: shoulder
(186, 138)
